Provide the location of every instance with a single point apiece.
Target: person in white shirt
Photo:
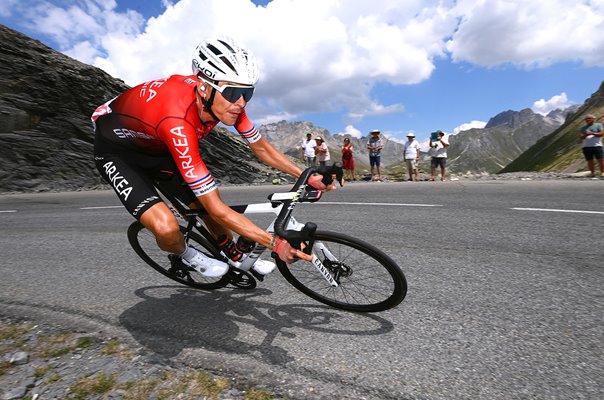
(322, 151)
(308, 150)
(411, 156)
(439, 154)
(591, 135)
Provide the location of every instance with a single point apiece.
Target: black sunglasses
(232, 93)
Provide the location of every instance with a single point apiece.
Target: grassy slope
(561, 150)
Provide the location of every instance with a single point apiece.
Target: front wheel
(144, 244)
(368, 279)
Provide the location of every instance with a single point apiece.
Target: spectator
(591, 134)
(348, 160)
(308, 150)
(322, 151)
(439, 154)
(411, 156)
(375, 148)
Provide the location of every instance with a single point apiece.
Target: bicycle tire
(144, 244)
(373, 282)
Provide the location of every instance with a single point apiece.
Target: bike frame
(281, 205)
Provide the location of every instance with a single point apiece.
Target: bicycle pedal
(257, 275)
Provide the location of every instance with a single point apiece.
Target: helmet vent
(228, 46)
(228, 63)
(215, 66)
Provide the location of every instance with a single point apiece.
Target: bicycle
(334, 268)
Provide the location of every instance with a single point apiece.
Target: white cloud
(7, 7)
(391, 136)
(351, 131)
(469, 125)
(334, 63)
(543, 106)
(528, 33)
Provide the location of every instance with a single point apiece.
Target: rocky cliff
(560, 151)
(288, 137)
(46, 100)
(503, 139)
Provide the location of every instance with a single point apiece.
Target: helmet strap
(207, 104)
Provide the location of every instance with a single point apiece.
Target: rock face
(560, 151)
(46, 100)
(503, 139)
(288, 137)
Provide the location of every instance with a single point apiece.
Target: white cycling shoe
(207, 266)
(264, 267)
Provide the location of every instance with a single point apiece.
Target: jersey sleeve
(181, 140)
(246, 129)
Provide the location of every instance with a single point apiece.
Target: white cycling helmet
(222, 59)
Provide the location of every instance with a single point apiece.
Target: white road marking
(382, 204)
(7, 211)
(558, 210)
(98, 208)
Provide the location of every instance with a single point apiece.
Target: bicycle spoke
(368, 279)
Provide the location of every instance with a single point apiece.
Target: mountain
(560, 151)
(287, 137)
(505, 137)
(46, 100)
(486, 150)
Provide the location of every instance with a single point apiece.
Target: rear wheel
(368, 279)
(144, 244)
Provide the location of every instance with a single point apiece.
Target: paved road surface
(506, 292)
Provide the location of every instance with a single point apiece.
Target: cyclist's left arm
(262, 149)
(272, 157)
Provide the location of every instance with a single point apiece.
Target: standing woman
(347, 160)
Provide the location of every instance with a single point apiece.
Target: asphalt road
(505, 301)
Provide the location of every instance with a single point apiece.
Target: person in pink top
(152, 131)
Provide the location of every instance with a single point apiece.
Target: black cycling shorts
(134, 176)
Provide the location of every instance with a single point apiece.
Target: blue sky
(349, 66)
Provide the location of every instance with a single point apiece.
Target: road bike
(334, 268)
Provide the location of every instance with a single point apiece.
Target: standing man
(375, 148)
(412, 156)
(439, 154)
(591, 134)
(308, 150)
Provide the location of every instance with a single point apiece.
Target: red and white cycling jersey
(160, 117)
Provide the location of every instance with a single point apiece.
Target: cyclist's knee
(166, 229)
(160, 220)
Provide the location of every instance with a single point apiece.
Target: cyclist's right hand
(316, 181)
(284, 250)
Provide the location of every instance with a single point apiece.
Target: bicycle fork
(318, 248)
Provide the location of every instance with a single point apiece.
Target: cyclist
(150, 133)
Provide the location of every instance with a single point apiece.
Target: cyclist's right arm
(182, 142)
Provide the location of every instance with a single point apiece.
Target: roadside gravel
(50, 362)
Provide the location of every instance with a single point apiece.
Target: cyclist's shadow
(171, 318)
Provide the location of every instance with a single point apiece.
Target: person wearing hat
(322, 151)
(308, 150)
(411, 156)
(439, 154)
(591, 134)
(374, 145)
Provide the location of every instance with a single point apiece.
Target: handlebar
(305, 192)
